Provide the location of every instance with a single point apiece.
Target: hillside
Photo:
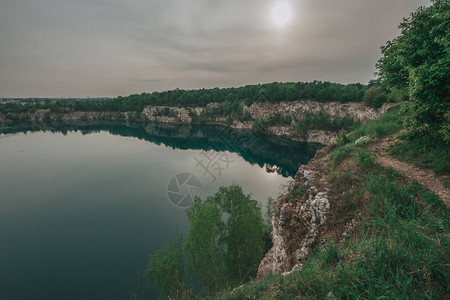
(355, 223)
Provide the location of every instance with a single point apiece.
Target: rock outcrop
(261, 110)
(298, 221)
(320, 204)
(258, 110)
(298, 109)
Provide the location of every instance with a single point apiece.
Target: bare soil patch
(425, 177)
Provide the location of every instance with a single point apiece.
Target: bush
(278, 119)
(259, 125)
(365, 159)
(379, 100)
(418, 62)
(370, 95)
(322, 121)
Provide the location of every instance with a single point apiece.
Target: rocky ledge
(261, 110)
(312, 211)
(258, 110)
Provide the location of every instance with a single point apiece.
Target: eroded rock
(297, 222)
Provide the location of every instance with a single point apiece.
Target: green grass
(365, 159)
(385, 125)
(402, 251)
(424, 153)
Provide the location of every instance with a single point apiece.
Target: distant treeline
(270, 92)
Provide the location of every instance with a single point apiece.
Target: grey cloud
(115, 47)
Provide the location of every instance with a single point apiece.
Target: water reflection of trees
(273, 153)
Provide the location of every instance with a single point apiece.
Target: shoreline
(184, 116)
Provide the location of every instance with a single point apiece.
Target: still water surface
(82, 206)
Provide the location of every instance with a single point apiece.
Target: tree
(419, 61)
(291, 94)
(204, 255)
(166, 269)
(370, 94)
(224, 246)
(243, 232)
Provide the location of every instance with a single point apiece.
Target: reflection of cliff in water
(275, 154)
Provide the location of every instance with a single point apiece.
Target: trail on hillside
(425, 177)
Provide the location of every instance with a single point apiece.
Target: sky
(92, 48)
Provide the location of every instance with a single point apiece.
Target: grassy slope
(424, 154)
(401, 247)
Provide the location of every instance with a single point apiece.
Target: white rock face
(261, 110)
(182, 115)
(298, 109)
(297, 223)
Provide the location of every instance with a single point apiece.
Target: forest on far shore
(373, 94)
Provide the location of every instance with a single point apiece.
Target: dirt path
(424, 177)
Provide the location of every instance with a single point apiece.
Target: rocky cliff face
(261, 110)
(304, 217)
(298, 109)
(297, 222)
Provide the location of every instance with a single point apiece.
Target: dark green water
(83, 205)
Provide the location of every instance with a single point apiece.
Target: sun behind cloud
(281, 14)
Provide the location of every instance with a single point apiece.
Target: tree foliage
(203, 252)
(224, 246)
(419, 61)
(322, 121)
(243, 232)
(268, 92)
(273, 119)
(166, 269)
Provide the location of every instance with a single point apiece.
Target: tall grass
(402, 251)
(402, 248)
(385, 125)
(424, 153)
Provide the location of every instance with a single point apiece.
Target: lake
(83, 205)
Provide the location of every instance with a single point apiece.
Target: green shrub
(259, 125)
(323, 121)
(365, 159)
(341, 153)
(278, 119)
(379, 100)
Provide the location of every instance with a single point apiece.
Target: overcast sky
(80, 48)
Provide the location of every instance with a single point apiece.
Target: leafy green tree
(224, 246)
(370, 94)
(419, 61)
(166, 269)
(291, 94)
(243, 232)
(204, 254)
(379, 100)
